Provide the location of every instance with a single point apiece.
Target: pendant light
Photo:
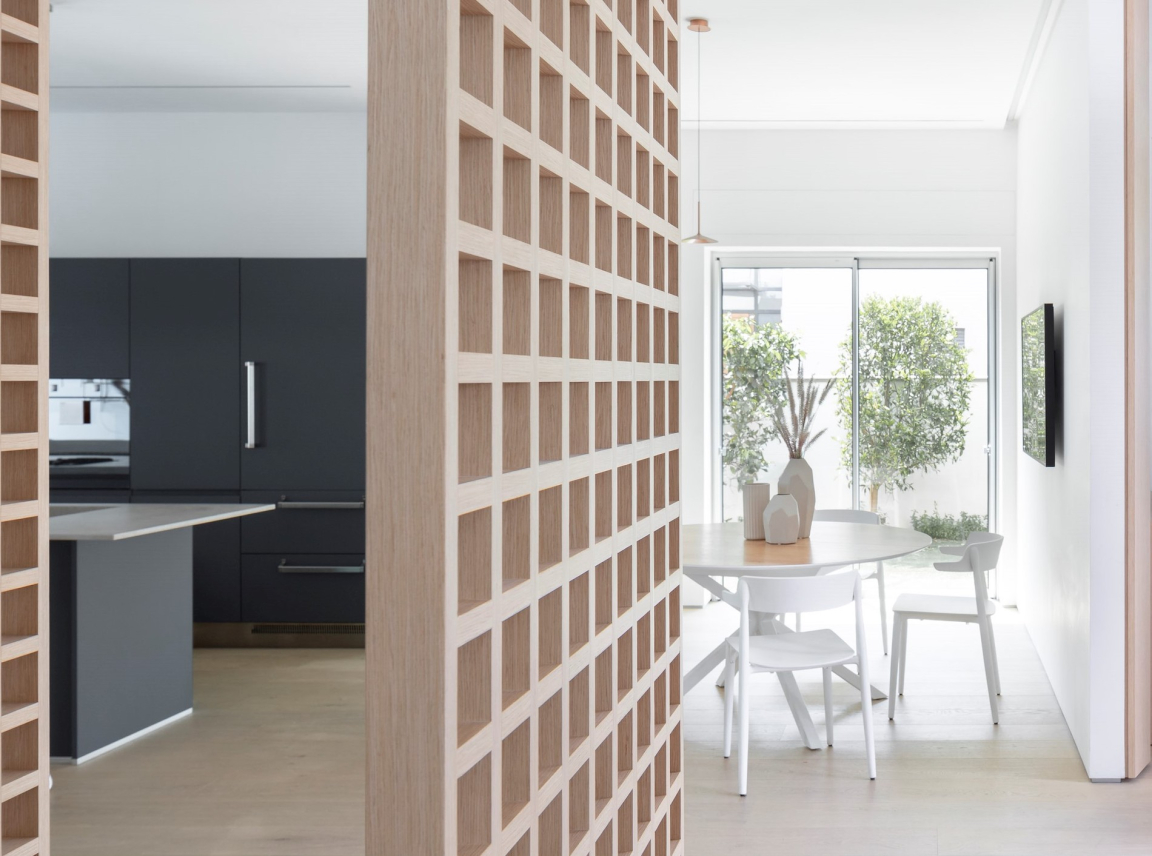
(698, 26)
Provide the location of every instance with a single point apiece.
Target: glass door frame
(855, 263)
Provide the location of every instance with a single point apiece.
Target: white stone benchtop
(115, 522)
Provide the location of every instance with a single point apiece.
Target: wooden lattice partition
(23, 427)
(524, 535)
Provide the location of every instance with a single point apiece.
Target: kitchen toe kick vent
(326, 629)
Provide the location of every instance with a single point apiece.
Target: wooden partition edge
(1138, 374)
(42, 292)
(406, 427)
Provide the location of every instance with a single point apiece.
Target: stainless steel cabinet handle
(285, 568)
(319, 506)
(250, 370)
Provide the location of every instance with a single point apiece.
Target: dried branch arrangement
(803, 402)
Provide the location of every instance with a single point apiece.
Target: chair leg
(866, 710)
(828, 704)
(898, 624)
(995, 657)
(729, 699)
(883, 606)
(903, 657)
(742, 773)
(989, 667)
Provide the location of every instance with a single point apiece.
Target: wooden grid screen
(524, 534)
(23, 427)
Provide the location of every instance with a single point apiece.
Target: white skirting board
(123, 740)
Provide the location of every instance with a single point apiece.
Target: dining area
(809, 608)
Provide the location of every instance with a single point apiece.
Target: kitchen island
(121, 620)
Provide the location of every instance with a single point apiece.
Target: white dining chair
(978, 555)
(784, 651)
(851, 515)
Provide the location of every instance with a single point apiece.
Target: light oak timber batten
(23, 427)
(523, 663)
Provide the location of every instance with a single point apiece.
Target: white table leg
(854, 679)
(700, 671)
(799, 710)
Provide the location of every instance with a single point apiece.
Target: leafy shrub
(948, 527)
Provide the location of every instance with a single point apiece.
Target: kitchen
(207, 354)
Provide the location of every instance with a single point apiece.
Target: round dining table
(712, 552)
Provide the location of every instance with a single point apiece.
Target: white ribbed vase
(756, 496)
(781, 520)
(796, 480)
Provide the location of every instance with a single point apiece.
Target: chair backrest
(981, 553)
(798, 594)
(845, 515)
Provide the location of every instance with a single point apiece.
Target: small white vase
(796, 481)
(756, 496)
(781, 520)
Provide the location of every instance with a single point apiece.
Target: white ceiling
(859, 62)
(283, 55)
(788, 63)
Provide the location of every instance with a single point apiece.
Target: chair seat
(941, 607)
(788, 652)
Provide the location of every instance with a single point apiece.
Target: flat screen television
(1038, 383)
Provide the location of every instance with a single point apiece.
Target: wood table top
(720, 548)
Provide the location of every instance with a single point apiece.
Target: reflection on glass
(1034, 347)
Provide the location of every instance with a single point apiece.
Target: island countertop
(116, 522)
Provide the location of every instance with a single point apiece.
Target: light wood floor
(949, 782)
(272, 763)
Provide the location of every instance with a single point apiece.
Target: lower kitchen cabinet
(303, 588)
(316, 521)
(216, 589)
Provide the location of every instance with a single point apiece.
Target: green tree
(914, 388)
(755, 361)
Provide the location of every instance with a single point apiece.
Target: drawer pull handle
(319, 506)
(285, 568)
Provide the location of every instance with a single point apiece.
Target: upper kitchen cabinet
(302, 343)
(89, 318)
(186, 374)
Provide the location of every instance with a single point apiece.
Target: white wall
(857, 190)
(208, 184)
(1070, 253)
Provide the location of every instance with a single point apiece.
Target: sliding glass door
(905, 352)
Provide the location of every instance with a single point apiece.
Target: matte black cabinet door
(215, 557)
(89, 318)
(304, 588)
(303, 327)
(186, 374)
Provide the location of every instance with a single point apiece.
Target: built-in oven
(89, 430)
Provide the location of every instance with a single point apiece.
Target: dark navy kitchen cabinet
(304, 588)
(286, 429)
(89, 327)
(186, 374)
(302, 329)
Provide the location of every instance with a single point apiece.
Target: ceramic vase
(796, 481)
(756, 496)
(781, 520)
